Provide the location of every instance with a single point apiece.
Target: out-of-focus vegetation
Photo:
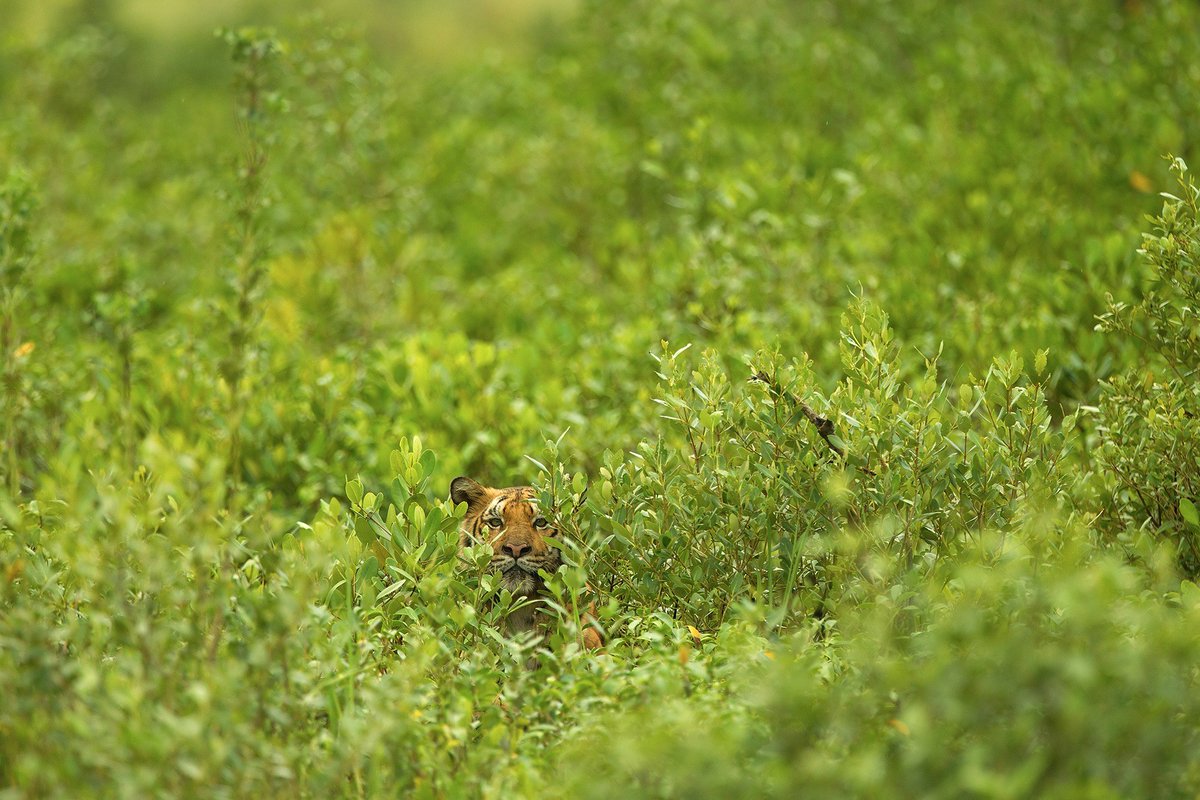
(851, 344)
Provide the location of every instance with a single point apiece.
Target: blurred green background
(853, 344)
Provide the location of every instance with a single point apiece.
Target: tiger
(510, 520)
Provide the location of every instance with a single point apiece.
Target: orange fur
(511, 522)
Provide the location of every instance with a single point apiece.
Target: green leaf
(369, 568)
(354, 491)
(428, 462)
(402, 493)
(432, 521)
(1187, 510)
(364, 531)
(390, 590)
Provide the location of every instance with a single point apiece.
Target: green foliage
(1022, 679)
(1149, 416)
(751, 493)
(786, 310)
(253, 52)
(16, 210)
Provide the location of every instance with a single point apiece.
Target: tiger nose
(517, 550)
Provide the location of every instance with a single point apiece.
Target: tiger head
(509, 520)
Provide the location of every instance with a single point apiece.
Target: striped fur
(510, 521)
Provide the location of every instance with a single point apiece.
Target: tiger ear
(465, 490)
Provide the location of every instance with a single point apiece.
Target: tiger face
(509, 520)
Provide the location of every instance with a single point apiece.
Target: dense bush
(1013, 677)
(1150, 415)
(788, 311)
(752, 493)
